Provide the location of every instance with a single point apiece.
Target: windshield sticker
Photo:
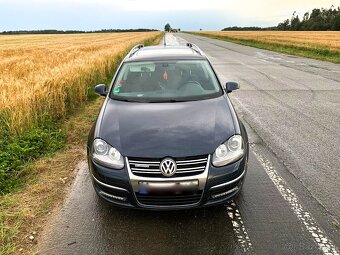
(120, 84)
(116, 90)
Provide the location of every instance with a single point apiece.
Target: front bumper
(216, 185)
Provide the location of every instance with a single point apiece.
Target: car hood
(156, 130)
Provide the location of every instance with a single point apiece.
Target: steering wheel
(190, 82)
(161, 86)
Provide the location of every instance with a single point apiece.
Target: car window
(163, 81)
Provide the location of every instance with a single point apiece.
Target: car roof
(151, 53)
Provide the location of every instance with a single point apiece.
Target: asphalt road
(290, 202)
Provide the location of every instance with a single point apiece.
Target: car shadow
(195, 231)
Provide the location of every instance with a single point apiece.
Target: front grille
(169, 200)
(188, 166)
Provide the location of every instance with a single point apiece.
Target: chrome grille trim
(145, 172)
(107, 185)
(144, 169)
(198, 162)
(190, 168)
(191, 161)
(135, 184)
(150, 167)
(144, 162)
(192, 171)
(229, 182)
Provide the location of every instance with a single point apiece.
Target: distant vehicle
(167, 136)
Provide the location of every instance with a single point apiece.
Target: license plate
(180, 186)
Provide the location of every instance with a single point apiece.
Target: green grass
(308, 52)
(7, 233)
(17, 151)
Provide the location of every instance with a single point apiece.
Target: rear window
(163, 81)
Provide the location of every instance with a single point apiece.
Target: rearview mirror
(230, 86)
(101, 90)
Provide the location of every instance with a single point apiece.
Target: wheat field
(313, 39)
(47, 75)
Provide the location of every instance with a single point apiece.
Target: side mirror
(101, 90)
(230, 86)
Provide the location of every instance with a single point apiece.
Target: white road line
(170, 39)
(238, 227)
(232, 210)
(325, 244)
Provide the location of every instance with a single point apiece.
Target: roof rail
(195, 48)
(135, 49)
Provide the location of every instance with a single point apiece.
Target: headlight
(106, 155)
(229, 152)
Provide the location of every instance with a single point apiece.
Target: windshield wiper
(166, 101)
(131, 100)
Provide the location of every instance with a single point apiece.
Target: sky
(184, 14)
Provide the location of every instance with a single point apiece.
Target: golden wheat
(44, 75)
(312, 39)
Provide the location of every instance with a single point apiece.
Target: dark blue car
(167, 136)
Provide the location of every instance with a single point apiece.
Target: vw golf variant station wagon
(167, 136)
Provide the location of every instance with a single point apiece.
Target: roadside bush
(16, 151)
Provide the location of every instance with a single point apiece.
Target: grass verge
(308, 52)
(43, 171)
(46, 181)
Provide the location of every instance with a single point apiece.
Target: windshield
(166, 81)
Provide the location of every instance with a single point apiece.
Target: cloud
(187, 14)
(129, 5)
(163, 6)
(249, 8)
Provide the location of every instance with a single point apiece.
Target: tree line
(235, 28)
(318, 20)
(53, 31)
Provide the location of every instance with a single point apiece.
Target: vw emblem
(168, 167)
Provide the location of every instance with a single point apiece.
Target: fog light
(224, 193)
(112, 196)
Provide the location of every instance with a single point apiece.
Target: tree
(306, 16)
(284, 25)
(336, 23)
(295, 23)
(315, 13)
(167, 27)
(318, 20)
